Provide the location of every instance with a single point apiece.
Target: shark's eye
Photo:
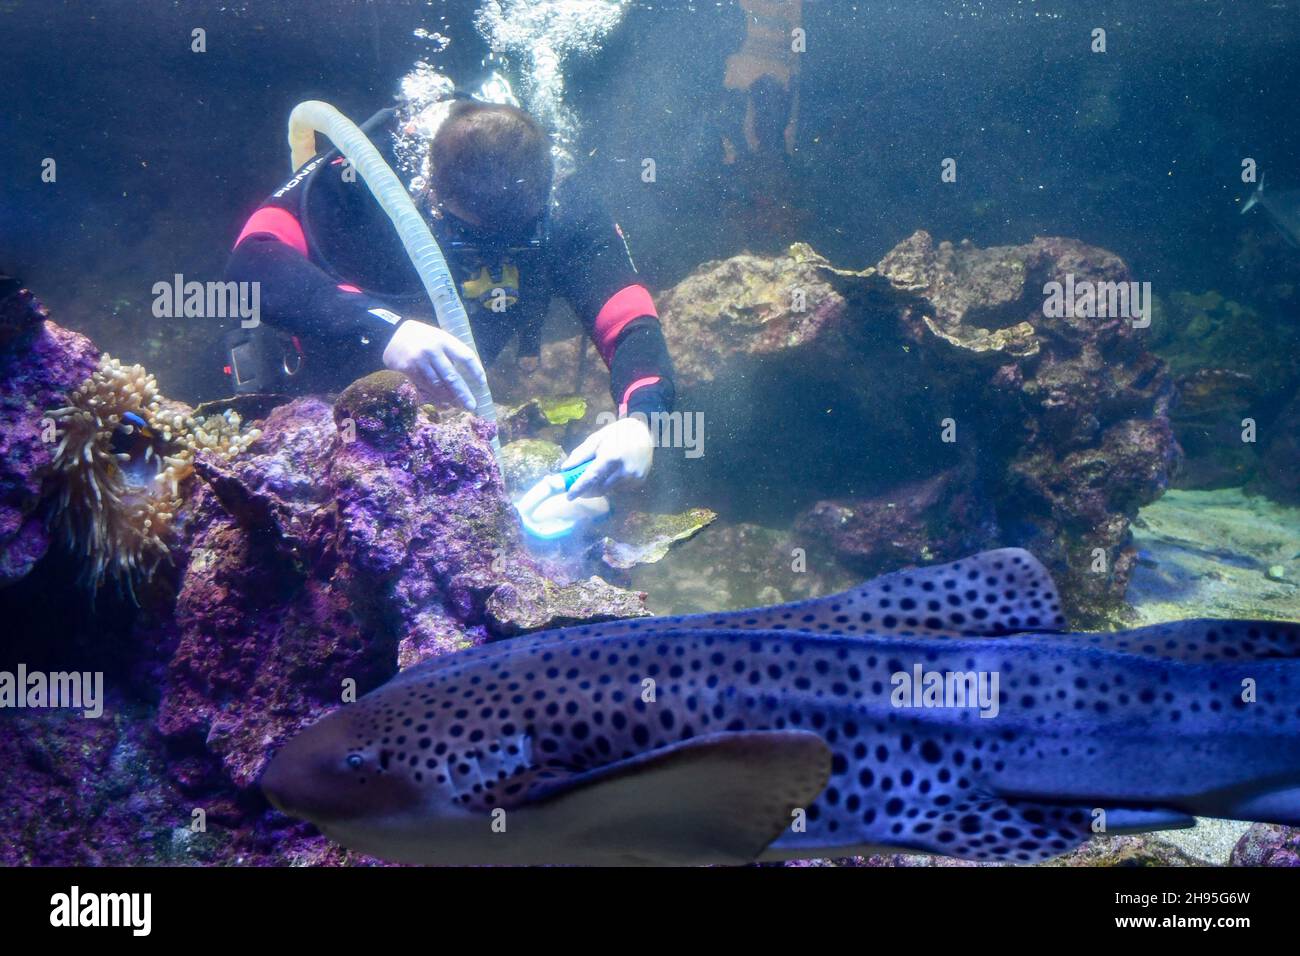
(356, 761)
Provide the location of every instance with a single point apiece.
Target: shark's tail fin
(1255, 197)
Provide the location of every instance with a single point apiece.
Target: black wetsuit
(334, 274)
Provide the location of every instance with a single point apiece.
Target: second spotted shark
(941, 710)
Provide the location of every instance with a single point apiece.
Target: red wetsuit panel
(279, 223)
(629, 303)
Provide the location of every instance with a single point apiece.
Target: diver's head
(492, 167)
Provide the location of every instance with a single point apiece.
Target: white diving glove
(441, 365)
(620, 455)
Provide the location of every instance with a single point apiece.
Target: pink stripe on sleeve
(630, 302)
(278, 222)
(627, 394)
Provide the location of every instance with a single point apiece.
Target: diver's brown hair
(494, 161)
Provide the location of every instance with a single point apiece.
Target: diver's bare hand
(620, 455)
(436, 361)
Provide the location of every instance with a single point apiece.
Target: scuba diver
(341, 297)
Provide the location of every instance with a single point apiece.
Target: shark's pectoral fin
(1280, 806)
(720, 798)
(1119, 820)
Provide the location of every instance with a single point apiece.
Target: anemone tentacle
(118, 507)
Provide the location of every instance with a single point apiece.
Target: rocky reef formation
(41, 365)
(1066, 421)
(918, 409)
(1266, 844)
(348, 540)
(343, 542)
(920, 521)
(1231, 364)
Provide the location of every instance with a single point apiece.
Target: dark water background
(163, 152)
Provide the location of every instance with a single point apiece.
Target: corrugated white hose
(312, 117)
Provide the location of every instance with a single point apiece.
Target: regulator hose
(312, 117)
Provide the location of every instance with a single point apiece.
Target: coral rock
(936, 519)
(39, 369)
(536, 604)
(1267, 844)
(642, 538)
(318, 563)
(527, 460)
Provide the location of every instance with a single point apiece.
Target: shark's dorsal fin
(715, 798)
(1203, 640)
(994, 592)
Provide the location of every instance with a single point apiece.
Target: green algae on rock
(642, 538)
(564, 409)
(528, 460)
(538, 603)
(381, 404)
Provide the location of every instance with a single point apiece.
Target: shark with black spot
(939, 710)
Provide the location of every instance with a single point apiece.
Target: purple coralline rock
(346, 541)
(266, 630)
(935, 519)
(85, 791)
(40, 365)
(1267, 844)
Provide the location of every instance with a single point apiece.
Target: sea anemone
(124, 452)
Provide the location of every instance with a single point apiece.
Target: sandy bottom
(1215, 554)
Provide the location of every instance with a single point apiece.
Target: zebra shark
(941, 710)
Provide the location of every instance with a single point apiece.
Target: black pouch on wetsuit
(262, 360)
